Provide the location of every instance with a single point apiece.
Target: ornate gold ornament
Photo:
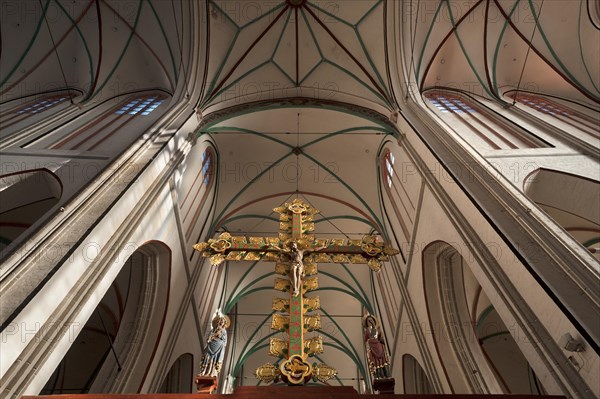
(312, 303)
(279, 322)
(296, 370)
(281, 305)
(312, 323)
(374, 264)
(221, 244)
(296, 254)
(216, 260)
(282, 284)
(282, 269)
(201, 246)
(267, 373)
(313, 346)
(311, 283)
(370, 246)
(298, 207)
(277, 347)
(323, 372)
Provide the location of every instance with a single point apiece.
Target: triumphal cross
(296, 253)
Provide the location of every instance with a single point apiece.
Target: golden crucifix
(296, 253)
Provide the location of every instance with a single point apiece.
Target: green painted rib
(322, 383)
(325, 60)
(358, 285)
(342, 331)
(235, 197)
(591, 242)
(162, 29)
(209, 97)
(282, 4)
(356, 293)
(248, 72)
(357, 218)
(418, 70)
(344, 131)
(349, 293)
(29, 45)
(220, 69)
(555, 56)
(238, 284)
(312, 34)
(369, 12)
(316, 43)
(242, 293)
(217, 129)
(137, 19)
(497, 50)
(362, 201)
(464, 50)
(249, 292)
(486, 312)
(216, 5)
(254, 347)
(283, 72)
(356, 361)
(285, 24)
(364, 48)
(330, 14)
(358, 80)
(85, 45)
(272, 105)
(250, 216)
(493, 335)
(310, 72)
(581, 46)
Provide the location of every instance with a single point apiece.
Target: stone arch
(571, 200)
(123, 331)
(502, 352)
(180, 377)
(24, 198)
(414, 378)
(444, 285)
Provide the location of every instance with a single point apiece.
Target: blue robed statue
(212, 360)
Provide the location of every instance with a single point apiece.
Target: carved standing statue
(297, 270)
(379, 364)
(214, 352)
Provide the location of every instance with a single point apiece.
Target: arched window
(110, 126)
(195, 193)
(400, 199)
(581, 121)
(478, 125)
(17, 113)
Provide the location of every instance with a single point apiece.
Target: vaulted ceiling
(488, 47)
(100, 48)
(298, 98)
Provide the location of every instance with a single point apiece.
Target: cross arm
(228, 247)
